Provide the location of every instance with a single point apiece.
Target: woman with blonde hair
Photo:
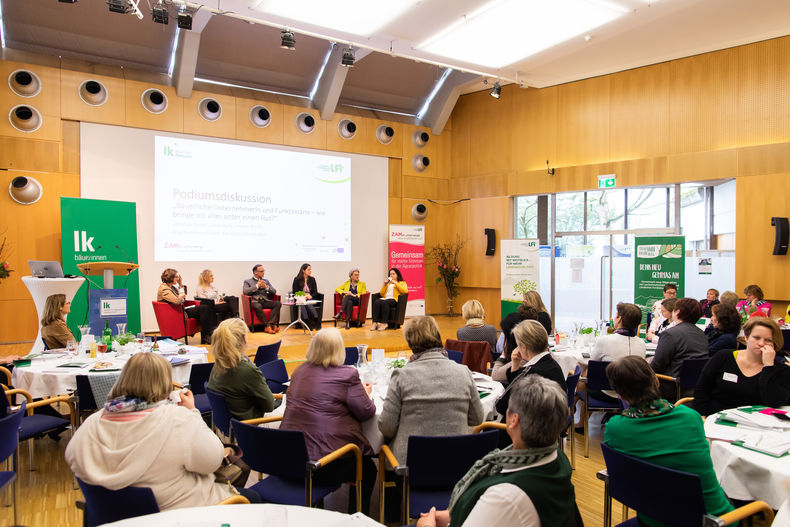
(351, 290)
(328, 402)
(54, 330)
(224, 306)
(532, 298)
(475, 329)
(235, 376)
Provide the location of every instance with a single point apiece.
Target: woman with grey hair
(527, 483)
(351, 290)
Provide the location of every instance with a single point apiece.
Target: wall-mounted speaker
(347, 128)
(25, 118)
(490, 242)
(419, 212)
(260, 116)
(24, 83)
(154, 100)
(93, 92)
(420, 138)
(209, 109)
(782, 233)
(384, 134)
(420, 162)
(25, 190)
(305, 123)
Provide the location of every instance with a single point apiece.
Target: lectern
(108, 304)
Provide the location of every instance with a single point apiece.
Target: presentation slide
(225, 202)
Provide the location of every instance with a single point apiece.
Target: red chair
(250, 318)
(477, 355)
(358, 314)
(173, 322)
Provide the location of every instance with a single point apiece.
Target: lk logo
(87, 243)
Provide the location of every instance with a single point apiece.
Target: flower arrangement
(445, 256)
(5, 270)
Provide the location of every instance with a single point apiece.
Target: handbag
(233, 470)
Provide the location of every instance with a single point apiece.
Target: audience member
(502, 363)
(393, 287)
(54, 330)
(475, 329)
(663, 322)
(171, 291)
(724, 328)
(729, 298)
(304, 282)
(670, 291)
(351, 290)
(532, 298)
(710, 300)
(262, 293)
(753, 301)
(224, 306)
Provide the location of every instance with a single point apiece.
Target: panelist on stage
(393, 287)
(305, 282)
(224, 306)
(351, 290)
(170, 292)
(262, 293)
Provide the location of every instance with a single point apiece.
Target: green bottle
(106, 335)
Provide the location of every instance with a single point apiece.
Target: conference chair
(455, 356)
(290, 472)
(352, 356)
(172, 320)
(220, 414)
(570, 383)
(358, 314)
(267, 353)
(596, 380)
(666, 495)
(476, 355)
(276, 375)
(397, 312)
(88, 400)
(688, 376)
(786, 337)
(434, 464)
(248, 313)
(198, 377)
(9, 445)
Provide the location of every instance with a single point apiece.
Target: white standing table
(40, 289)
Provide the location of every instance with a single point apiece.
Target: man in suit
(262, 293)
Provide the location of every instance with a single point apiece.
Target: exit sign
(607, 181)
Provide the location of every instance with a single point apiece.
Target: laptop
(45, 269)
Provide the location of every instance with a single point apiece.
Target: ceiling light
(348, 57)
(287, 40)
(125, 6)
(184, 21)
(522, 29)
(68, 1)
(160, 14)
(496, 91)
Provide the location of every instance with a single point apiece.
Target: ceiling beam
(441, 105)
(186, 54)
(331, 80)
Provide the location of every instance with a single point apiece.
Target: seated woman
(730, 298)
(475, 328)
(528, 484)
(328, 402)
(54, 330)
(502, 363)
(724, 328)
(235, 376)
(711, 299)
(141, 439)
(753, 301)
(170, 292)
(351, 290)
(393, 287)
(224, 306)
(752, 376)
(305, 283)
(659, 324)
(532, 298)
(660, 433)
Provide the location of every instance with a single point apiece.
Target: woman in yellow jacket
(393, 287)
(351, 290)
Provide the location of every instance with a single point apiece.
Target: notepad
(73, 365)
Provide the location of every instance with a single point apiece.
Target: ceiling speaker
(25, 190)
(25, 118)
(420, 138)
(209, 109)
(420, 162)
(260, 116)
(305, 123)
(93, 92)
(24, 83)
(419, 212)
(154, 100)
(347, 129)
(385, 134)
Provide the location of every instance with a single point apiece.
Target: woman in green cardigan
(351, 290)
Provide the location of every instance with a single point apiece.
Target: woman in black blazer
(305, 282)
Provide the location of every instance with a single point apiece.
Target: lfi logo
(87, 243)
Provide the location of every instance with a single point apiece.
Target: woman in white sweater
(142, 439)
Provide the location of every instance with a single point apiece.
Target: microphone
(124, 253)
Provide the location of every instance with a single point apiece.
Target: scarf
(130, 404)
(626, 332)
(495, 462)
(649, 409)
(475, 322)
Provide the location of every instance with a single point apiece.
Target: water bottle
(106, 335)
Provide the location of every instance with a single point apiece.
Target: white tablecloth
(44, 378)
(40, 289)
(258, 515)
(745, 474)
(570, 357)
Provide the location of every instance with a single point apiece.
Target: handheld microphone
(124, 253)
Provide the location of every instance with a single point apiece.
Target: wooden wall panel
(22, 325)
(70, 150)
(423, 188)
(410, 150)
(479, 186)
(362, 141)
(478, 269)
(535, 128)
(395, 178)
(583, 122)
(491, 122)
(460, 142)
(247, 131)
(292, 136)
(194, 123)
(374, 147)
(113, 111)
(394, 212)
(29, 154)
(764, 159)
(171, 120)
(48, 99)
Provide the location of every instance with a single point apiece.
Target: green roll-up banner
(659, 260)
(94, 230)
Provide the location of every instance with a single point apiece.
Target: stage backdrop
(659, 260)
(94, 230)
(520, 272)
(407, 253)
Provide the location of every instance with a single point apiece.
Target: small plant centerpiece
(300, 297)
(445, 257)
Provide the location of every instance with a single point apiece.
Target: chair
(476, 355)
(290, 472)
(455, 356)
(434, 464)
(45, 344)
(688, 376)
(172, 320)
(318, 307)
(646, 488)
(786, 336)
(198, 377)
(220, 414)
(397, 312)
(276, 375)
(87, 402)
(250, 318)
(267, 353)
(570, 383)
(358, 314)
(596, 380)
(9, 444)
(352, 356)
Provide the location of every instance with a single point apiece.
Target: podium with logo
(107, 303)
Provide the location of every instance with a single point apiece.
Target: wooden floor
(46, 496)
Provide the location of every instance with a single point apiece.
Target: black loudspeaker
(490, 242)
(782, 234)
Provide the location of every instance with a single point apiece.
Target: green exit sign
(607, 181)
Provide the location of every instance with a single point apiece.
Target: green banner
(95, 230)
(659, 260)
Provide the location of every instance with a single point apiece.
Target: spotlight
(348, 57)
(496, 90)
(184, 21)
(159, 14)
(68, 1)
(117, 6)
(287, 40)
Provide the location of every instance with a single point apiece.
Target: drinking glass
(139, 339)
(362, 359)
(148, 343)
(121, 328)
(71, 347)
(101, 349)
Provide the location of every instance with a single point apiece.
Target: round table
(263, 514)
(40, 289)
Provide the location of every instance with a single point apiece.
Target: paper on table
(754, 419)
(356, 520)
(726, 433)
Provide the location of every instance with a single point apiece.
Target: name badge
(730, 377)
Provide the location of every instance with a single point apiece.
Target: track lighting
(125, 6)
(348, 57)
(159, 14)
(287, 40)
(184, 21)
(496, 91)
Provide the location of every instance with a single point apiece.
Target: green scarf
(497, 461)
(649, 409)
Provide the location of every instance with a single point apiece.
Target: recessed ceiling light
(358, 17)
(505, 32)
